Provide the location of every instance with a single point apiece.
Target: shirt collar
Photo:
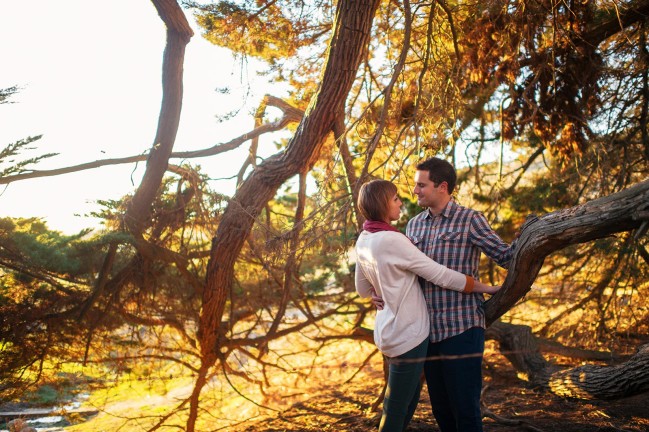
(448, 211)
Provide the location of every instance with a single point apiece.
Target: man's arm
(486, 239)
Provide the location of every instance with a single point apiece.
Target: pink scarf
(376, 226)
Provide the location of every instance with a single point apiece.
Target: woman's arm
(424, 266)
(363, 286)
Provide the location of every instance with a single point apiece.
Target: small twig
(486, 412)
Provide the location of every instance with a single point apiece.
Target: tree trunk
(350, 37)
(351, 33)
(604, 382)
(521, 348)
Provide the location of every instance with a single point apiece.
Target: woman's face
(394, 208)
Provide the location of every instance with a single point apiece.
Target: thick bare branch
(595, 219)
(178, 35)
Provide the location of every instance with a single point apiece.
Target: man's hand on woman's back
(377, 300)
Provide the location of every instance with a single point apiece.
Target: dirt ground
(514, 405)
(511, 405)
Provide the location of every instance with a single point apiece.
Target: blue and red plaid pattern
(455, 239)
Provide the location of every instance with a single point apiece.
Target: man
(453, 236)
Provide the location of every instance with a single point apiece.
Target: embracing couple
(436, 327)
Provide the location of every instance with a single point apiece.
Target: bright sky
(90, 79)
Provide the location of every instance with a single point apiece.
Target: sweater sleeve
(363, 286)
(414, 260)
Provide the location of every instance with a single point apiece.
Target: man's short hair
(374, 199)
(439, 171)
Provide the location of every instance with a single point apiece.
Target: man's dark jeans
(454, 378)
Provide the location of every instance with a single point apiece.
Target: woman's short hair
(374, 199)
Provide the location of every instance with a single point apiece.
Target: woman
(386, 261)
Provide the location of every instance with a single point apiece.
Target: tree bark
(604, 382)
(619, 212)
(520, 347)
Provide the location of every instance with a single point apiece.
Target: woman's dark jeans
(404, 385)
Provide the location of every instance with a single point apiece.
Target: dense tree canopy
(542, 105)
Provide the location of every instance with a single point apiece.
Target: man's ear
(444, 186)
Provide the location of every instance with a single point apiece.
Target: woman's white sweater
(389, 262)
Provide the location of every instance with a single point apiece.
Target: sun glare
(90, 83)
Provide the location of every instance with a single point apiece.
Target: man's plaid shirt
(455, 238)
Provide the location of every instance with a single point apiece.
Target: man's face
(427, 194)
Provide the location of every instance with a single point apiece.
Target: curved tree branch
(290, 115)
(622, 211)
(387, 92)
